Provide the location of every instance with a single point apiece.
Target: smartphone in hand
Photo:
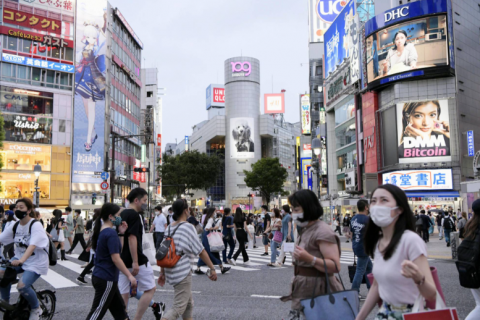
(133, 291)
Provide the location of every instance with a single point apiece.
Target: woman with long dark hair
(316, 246)
(472, 230)
(241, 231)
(276, 226)
(108, 263)
(214, 256)
(400, 267)
(57, 235)
(227, 232)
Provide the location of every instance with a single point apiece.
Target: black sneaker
(284, 258)
(198, 271)
(347, 241)
(225, 269)
(81, 280)
(158, 309)
(448, 244)
(265, 254)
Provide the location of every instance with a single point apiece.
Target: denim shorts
(265, 240)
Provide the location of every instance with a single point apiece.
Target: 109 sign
(328, 10)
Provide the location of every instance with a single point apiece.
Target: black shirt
(266, 220)
(240, 225)
(135, 228)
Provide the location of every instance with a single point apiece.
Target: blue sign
(402, 76)
(328, 10)
(406, 12)
(471, 144)
(342, 42)
(104, 175)
(50, 65)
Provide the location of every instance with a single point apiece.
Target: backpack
(167, 256)
(52, 251)
(468, 264)
(448, 223)
(419, 221)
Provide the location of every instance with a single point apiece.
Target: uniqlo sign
(215, 96)
(219, 95)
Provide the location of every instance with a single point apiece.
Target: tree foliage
(267, 177)
(188, 171)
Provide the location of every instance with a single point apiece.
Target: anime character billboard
(90, 85)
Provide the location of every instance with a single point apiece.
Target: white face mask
(297, 216)
(381, 215)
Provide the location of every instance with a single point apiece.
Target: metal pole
(37, 195)
(105, 197)
(148, 190)
(112, 177)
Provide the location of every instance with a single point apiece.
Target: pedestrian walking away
(180, 276)
(31, 257)
(159, 225)
(287, 231)
(462, 222)
(426, 223)
(346, 227)
(242, 236)
(214, 256)
(337, 224)
(448, 225)
(251, 232)
(316, 247)
(69, 225)
(79, 230)
(57, 234)
(438, 220)
(358, 225)
(228, 235)
(275, 227)
(400, 266)
(133, 257)
(267, 220)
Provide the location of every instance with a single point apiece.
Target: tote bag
(215, 241)
(148, 246)
(333, 305)
(441, 311)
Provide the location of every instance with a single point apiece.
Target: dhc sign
(395, 14)
(328, 10)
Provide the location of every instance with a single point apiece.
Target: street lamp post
(37, 169)
(316, 146)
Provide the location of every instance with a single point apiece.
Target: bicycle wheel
(48, 302)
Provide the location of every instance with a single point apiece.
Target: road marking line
(266, 297)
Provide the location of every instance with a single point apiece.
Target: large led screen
(404, 50)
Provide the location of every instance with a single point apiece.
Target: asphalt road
(243, 293)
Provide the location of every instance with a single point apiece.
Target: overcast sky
(189, 40)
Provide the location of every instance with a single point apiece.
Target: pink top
(394, 288)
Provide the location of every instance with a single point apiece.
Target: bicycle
(21, 309)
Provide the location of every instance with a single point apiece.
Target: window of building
(31, 129)
(19, 185)
(22, 157)
(36, 76)
(345, 112)
(61, 125)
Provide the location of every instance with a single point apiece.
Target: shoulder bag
(353, 269)
(332, 305)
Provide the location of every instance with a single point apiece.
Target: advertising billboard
(409, 41)
(241, 142)
(435, 179)
(305, 114)
(423, 131)
(216, 96)
(470, 143)
(89, 101)
(321, 15)
(274, 103)
(63, 6)
(342, 41)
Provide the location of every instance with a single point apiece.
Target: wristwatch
(313, 261)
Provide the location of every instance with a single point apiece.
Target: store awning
(435, 194)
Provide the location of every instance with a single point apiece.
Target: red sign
(219, 95)
(104, 185)
(159, 140)
(139, 176)
(307, 147)
(32, 21)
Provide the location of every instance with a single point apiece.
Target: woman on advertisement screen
(402, 56)
(422, 120)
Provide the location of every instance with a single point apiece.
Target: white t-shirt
(394, 288)
(160, 221)
(38, 261)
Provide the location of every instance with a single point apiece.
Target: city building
(36, 96)
(107, 106)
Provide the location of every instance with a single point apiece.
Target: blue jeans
(27, 292)
(274, 246)
(214, 256)
(158, 239)
(364, 267)
(447, 234)
(231, 244)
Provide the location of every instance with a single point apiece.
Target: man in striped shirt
(180, 276)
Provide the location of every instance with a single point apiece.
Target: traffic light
(141, 170)
(94, 198)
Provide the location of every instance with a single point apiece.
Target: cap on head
(9, 213)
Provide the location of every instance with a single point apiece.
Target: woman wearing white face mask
(400, 267)
(316, 246)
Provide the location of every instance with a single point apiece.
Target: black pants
(426, 235)
(241, 239)
(339, 229)
(107, 297)
(78, 237)
(89, 267)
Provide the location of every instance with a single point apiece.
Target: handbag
(441, 311)
(332, 305)
(353, 269)
(215, 241)
(148, 246)
(199, 228)
(278, 237)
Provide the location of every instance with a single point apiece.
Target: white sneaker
(84, 265)
(246, 263)
(35, 314)
(232, 262)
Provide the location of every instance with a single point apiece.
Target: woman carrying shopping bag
(277, 239)
(400, 264)
(214, 256)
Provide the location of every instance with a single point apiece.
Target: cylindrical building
(242, 111)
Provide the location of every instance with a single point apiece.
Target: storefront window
(345, 134)
(25, 157)
(14, 100)
(19, 185)
(347, 159)
(345, 112)
(28, 128)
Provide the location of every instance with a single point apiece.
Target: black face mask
(20, 214)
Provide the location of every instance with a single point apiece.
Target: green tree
(188, 171)
(267, 177)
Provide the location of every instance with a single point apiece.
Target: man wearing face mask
(357, 227)
(132, 253)
(159, 224)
